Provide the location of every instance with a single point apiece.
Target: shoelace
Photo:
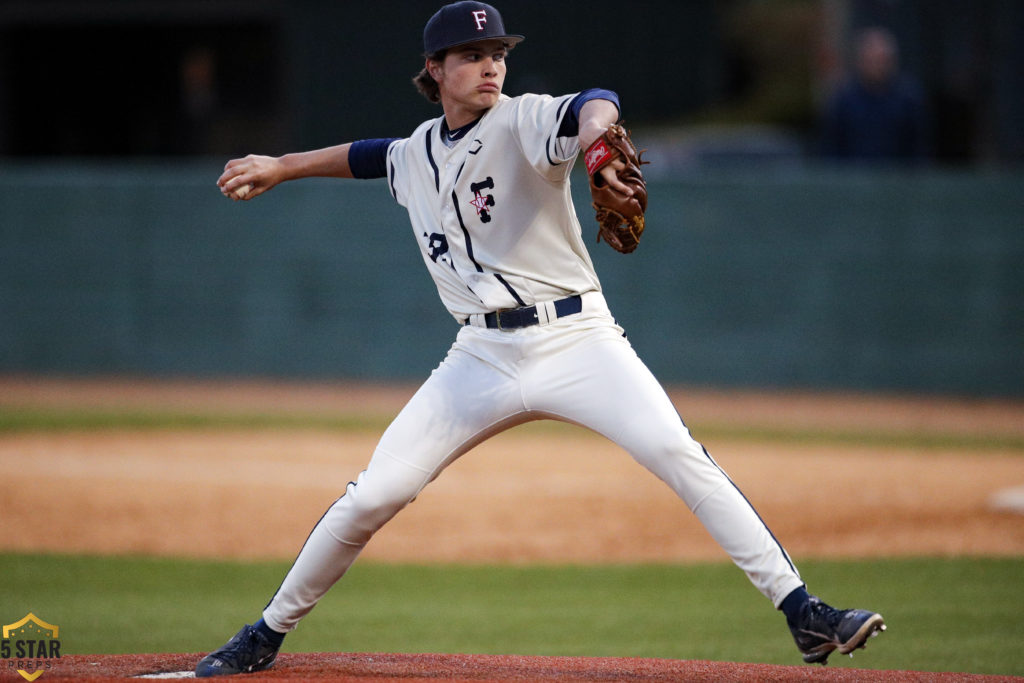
(820, 612)
(232, 653)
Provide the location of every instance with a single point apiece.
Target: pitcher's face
(470, 79)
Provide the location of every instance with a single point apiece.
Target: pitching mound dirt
(420, 667)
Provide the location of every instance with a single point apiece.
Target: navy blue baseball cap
(465, 22)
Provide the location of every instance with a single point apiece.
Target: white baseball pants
(579, 369)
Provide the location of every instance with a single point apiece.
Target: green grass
(943, 615)
(18, 420)
(15, 420)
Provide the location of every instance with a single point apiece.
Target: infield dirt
(557, 494)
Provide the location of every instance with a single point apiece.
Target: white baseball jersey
(496, 233)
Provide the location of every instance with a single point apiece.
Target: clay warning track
(452, 667)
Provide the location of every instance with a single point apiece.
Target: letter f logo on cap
(463, 22)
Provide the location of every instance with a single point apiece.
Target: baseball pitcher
(486, 186)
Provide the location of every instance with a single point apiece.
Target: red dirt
(420, 667)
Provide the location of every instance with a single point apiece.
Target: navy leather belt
(512, 318)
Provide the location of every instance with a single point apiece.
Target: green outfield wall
(809, 278)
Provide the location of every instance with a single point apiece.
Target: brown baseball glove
(620, 218)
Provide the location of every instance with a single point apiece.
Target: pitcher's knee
(668, 447)
(684, 465)
(366, 507)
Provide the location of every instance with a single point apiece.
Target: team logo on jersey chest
(483, 202)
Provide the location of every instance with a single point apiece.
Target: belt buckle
(497, 316)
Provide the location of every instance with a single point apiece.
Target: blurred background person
(198, 102)
(878, 114)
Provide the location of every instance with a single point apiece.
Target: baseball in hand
(241, 191)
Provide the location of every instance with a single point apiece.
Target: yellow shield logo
(30, 643)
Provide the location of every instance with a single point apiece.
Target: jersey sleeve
(571, 122)
(396, 170)
(368, 158)
(407, 165)
(537, 124)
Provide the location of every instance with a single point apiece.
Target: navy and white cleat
(821, 629)
(248, 651)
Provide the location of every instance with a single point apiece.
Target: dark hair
(425, 83)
